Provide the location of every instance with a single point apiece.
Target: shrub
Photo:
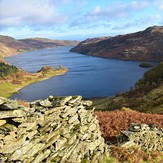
(6, 69)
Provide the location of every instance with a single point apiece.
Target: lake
(88, 76)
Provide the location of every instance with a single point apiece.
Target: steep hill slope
(144, 45)
(10, 46)
(147, 96)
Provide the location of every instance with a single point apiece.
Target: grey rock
(2, 100)
(45, 103)
(144, 136)
(57, 129)
(9, 105)
(12, 114)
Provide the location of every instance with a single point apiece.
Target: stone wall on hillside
(143, 136)
(57, 129)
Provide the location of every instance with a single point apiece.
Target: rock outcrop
(57, 129)
(144, 45)
(143, 136)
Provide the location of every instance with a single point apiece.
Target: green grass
(152, 102)
(8, 87)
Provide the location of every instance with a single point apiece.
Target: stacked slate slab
(57, 129)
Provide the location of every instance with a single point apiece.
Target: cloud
(29, 12)
(66, 1)
(126, 25)
(115, 12)
(159, 3)
(119, 10)
(62, 17)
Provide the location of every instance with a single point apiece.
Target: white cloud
(140, 4)
(118, 10)
(111, 13)
(97, 10)
(161, 7)
(29, 12)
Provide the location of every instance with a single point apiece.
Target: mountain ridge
(143, 46)
(10, 46)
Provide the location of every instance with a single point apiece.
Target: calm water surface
(88, 76)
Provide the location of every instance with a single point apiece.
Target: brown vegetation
(10, 46)
(24, 103)
(144, 45)
(112, 122)
(135, 156)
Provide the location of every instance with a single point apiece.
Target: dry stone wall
(57, 129)
(143, 136)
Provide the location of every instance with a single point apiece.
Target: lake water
(88, 76)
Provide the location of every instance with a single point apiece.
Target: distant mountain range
(145, 45)
(10, 46)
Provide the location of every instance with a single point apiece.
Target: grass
(152, 102)
(13, 83)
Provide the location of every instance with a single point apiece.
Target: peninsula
(12, 78)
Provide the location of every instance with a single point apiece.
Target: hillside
(144, 45)
(12, 79)
(30, 133)
(10, 46)
(146, 96)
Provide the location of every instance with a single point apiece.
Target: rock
(65, 100)
(87, 103)
(9, 105)
(45, 103)
(75, 100)
(57, 129)
(42, 156)
(143, 136)
(12, 114)
(72, 119)
(2, 100)
(2, 122)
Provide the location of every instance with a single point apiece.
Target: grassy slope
(15, 82)
(152, 102)
(147, 96)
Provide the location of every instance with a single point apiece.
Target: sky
(77, 19)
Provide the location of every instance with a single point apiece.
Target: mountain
(10, 46)
(13, 78)
(144, 46)
(41, 43)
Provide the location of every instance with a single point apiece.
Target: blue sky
(77, 19)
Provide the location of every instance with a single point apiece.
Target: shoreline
(10, 85)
